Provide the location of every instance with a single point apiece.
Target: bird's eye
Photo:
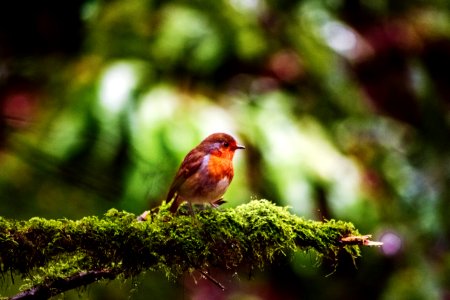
(226, 144)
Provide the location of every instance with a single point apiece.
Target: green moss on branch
(253, 234)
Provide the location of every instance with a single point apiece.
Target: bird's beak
(240, 147)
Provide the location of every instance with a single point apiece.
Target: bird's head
(220, 144)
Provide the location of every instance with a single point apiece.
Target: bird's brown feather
(189, 166)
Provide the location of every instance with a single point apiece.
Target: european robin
(205, 173)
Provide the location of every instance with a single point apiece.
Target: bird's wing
(189, 166)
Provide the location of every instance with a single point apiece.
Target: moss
(253, 234)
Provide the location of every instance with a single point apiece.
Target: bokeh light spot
(392, 243)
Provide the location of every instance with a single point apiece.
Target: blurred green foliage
(343, 107)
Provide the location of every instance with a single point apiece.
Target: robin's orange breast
(220, 167)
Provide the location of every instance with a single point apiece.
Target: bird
(205, 173)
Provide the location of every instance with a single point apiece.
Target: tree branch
(55, 287)
(58, 255)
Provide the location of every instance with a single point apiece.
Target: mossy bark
(254, 234)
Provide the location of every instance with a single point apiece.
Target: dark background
(343, 107)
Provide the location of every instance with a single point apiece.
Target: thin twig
(213, 280)
(363, 240)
